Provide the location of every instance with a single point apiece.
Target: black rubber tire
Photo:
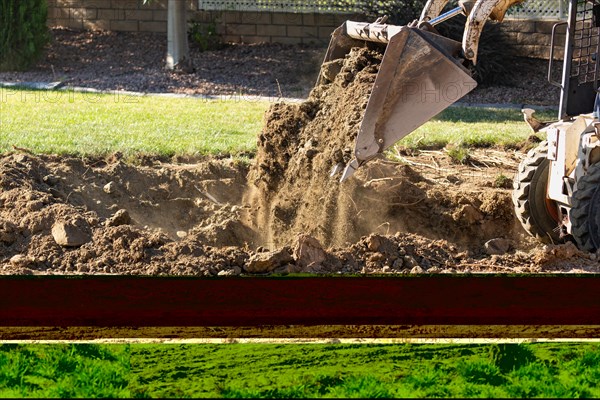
(529, 196)
(585, 211)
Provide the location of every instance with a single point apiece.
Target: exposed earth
(280, 214)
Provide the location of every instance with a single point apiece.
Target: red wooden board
(118, 301)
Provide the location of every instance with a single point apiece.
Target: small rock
(230, 272)
(20, 260)
(82, 268)
(398, 263)
(181, 234)
(21, 158)
(268, 261)
(110, 187)
(376, 257)
(121, 217)
(417, 270)
(50, 179)
(410, 262)
(308, 251)
(313, 268)
(92, 218)
(288, 269)
(374, 242)
(330, 69)
(72, 233)
(311, 153)
(8, 232)
(497, 246)
(469, 214)
(453, 179)
(387, 269)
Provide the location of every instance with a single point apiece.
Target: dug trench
(279, 214)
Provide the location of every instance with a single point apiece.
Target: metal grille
(314, 6)
(544, 9)
(584, 63)
(540, 9)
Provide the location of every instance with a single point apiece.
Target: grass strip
(92, 124)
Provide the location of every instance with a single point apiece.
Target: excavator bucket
(420, 75)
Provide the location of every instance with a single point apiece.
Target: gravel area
(135, 62)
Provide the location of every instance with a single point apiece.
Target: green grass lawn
(66, 122)
(473, 127)
(366, 371)
(64, 371)
(545, 370)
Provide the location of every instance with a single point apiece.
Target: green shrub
(23, 33)
(503, 182)
(205, 36)
(508, 357)
(458, 153)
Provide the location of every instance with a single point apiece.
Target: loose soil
(281, 214)
(427, 215)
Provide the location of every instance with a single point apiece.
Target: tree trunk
(178, 52)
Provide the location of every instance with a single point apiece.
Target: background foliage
(495, 48)
(23, 32)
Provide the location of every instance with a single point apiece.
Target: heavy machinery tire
(585, 212)
(532, 208)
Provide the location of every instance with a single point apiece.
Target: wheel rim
(552, 209)
(540, 197)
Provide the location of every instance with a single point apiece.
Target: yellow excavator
(557, 186)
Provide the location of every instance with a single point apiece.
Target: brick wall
(254, 27)
(531, 37)
(115, 15)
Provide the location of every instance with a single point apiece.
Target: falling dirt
(282, 214)
(299, 146)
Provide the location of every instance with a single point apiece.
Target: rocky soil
(67, 215)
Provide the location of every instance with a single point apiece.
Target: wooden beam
(313, 305)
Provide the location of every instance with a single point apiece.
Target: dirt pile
(299, 146)
(71, 215)
(61, 215)
(297, 149)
